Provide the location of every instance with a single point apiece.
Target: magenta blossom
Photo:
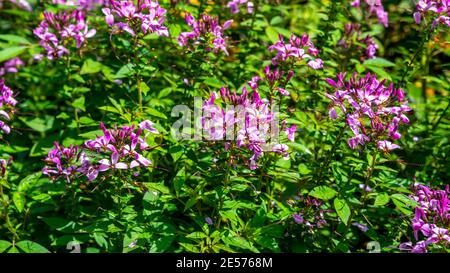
(146, 17)
(205, 31)
(298, 49)
(431, 219)
(234, 5)
(373, 7)
(11, 66)
(59, 31)
(354, 42)
(7, 106)
(436, 10)
(372, 110)
(119, 149)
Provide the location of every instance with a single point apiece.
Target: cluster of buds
(118, 149)
(57, 31)
(373, 7)
(372, 111)
(431, 219)
(354, 42)
(438, 10)
(296, 50)
(206, 32)
(146, 17)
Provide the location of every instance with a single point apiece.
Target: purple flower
(57, 31)
(205, 31)
(296, 50)
(373, 111)
(436, 10)
(209, 221)
(353, 41)
(361, 227)
(234, 5)
(373, 7)
(145, 17)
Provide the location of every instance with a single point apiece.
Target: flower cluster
(372, 111)
(57, 31)
(312, 213)
(432, 219)
(374, 7)
(22, 4)
(250, 116)
(10, 66)
(7, 104)
(118, 149)
(146, 17)
(83, 4)
(353, 40)
(234, 5)
(440, 8)
(206, 31)
(296, 50)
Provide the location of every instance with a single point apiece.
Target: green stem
(331, 153)
(5, 211)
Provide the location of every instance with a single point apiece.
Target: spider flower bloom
(296, 50)
(437, 10)
(11, 66)
(22, 4)
(118, 149)
(353, 42)
(207, 32)
(7, 104)
(83, 4)
(373, 7)
(312, 212)
(431, 219)
(247, 118)
(235, 4)
(144, 17)
(62, 162)
(59, 31)
(373, 111)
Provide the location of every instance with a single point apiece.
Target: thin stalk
(331, 153)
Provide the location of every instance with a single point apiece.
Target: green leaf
(379, 62)
(90, 67)
(11, 52)
(4, 245)
(272, 33)
(14, 38)
(28, 181)
(162, 244)
(101, 241)
(196, 235)
(39, 124)
(323, 193)
(342, 209)
(144, 88)
(124, 71)
(158, 187)
(381, 199)
(31, 247)
(19, 201)
(79, 103)
(239, 242)
(59, 224)
(214, 82)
